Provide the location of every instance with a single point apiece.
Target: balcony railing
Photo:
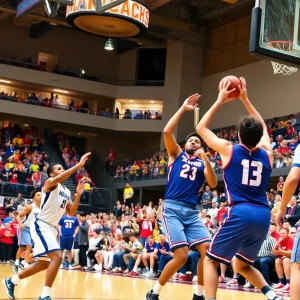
(100, 113)
(78, 74)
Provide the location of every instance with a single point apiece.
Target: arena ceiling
(183, 20)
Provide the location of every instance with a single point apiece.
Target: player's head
(250, 131)
(54, 170)
(192, 143)
(36, 196)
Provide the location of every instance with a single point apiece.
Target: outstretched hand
(191, 102)
(84, 158)
(224, 92)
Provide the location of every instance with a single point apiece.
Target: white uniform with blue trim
(43, 230)
(24, 237)
(296, 249)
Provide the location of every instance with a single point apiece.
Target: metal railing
(12, 189)
(100, 113)
(78, 74)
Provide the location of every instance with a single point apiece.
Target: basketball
(235, 82)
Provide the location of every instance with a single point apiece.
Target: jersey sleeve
(296, 160)
(61, 222)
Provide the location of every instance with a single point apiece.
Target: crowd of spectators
(23, 163)
(284, 138)
(71, 157)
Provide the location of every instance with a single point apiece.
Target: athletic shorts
(296, 249)
(182, 225)
(241, 234)
(66, 242)
(24, 237)
(45, 238)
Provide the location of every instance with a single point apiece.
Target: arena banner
(129, 10)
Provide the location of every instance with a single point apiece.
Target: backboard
(275, 33)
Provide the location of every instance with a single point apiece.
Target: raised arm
(172, 147)
(209, 172)
(220, 145)
(53, 181)
(265, 140)
(289, 186)
(73, 206)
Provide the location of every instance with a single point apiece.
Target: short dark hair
(251, 131)
(83, 215)
(50, 169)
(33, 193)
(285, 229)
(191, 135)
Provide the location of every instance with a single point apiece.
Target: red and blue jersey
(185, 178)
(247, 176)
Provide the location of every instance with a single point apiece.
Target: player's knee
(181, 255)
(295, 266)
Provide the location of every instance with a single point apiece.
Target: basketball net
(278, 67)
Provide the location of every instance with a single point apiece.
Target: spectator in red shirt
(222, 211)
(6, 243)
(283, 251)
(283, 148)
(290, 131)
(209, 224)
(147, 221)
(273, 232)
(36, 179)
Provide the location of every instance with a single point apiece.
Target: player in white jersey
(24, 237)
(56, 199)
(289, 189)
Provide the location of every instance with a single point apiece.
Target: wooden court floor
(80, 285)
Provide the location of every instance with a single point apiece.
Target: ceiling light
(4, 81)
(82, 71)
(152, 101)
(79, 132)
(61, 91)
(109, 45)
(131, 101)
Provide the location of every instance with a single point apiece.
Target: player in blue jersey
(68, 227)
(247, 168)
(181, 221)
(289, 188)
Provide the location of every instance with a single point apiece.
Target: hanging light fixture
(109, 43)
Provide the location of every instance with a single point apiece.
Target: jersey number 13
(257, 174)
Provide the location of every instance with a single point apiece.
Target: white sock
(134, 269)
(46, 292)
(147, 269)
(17, 262)
(100, 267)
(151, 270)
(157, 288)
(199, 290)
(15, 279)
(270, 295)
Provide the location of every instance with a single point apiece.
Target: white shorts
(45, 239)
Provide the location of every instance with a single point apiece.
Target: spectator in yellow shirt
(128, 194)
(18, 141)
(34, 166)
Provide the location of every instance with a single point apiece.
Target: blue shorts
(182, 225)
(296, 249)
(66, 243)
(24, 237)
(241, 234)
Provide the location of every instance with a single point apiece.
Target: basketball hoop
(278, 68)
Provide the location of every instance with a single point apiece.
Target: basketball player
(289, 189)
(56, 199)
(247, 168)
(186, 174)
(24, 237)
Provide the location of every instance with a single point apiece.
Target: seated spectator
(36, 179)
(95, 254)
(283, 148)
(279, 163)
(290, 131)
(149, 254)
(283, 251)
(164, 253)
(134, 248)
(273, 231)
(44, 175)
(18, 142)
